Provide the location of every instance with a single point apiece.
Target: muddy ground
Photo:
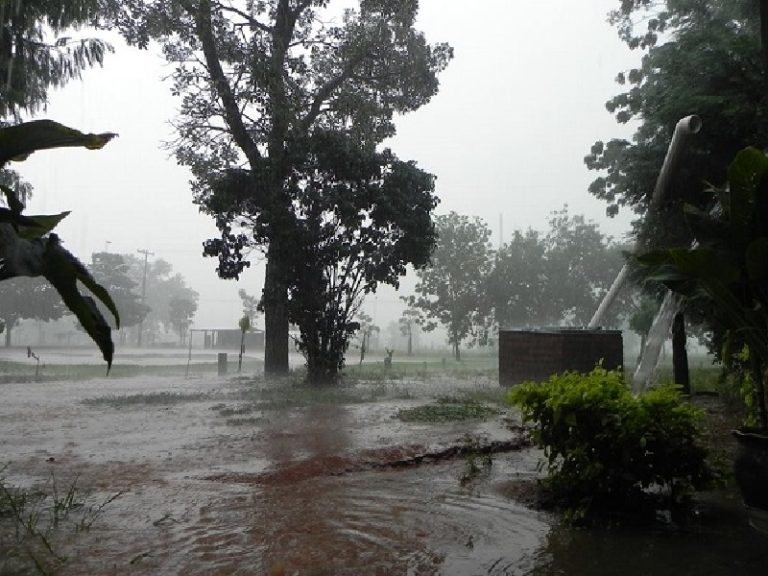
(223, 476)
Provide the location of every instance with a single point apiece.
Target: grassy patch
(448, 410)
(35, 521)
(158, 398)
(425, 366)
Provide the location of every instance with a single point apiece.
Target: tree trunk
(8, 334)
(410, 344)
(456, 352)
(275, 317)
(680, 354)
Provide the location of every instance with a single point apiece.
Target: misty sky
(518, 109)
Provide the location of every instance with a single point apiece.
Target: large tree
(258, 80)
(358, 217)
(700, 58)
(450, 289)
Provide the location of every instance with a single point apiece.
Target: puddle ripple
(417, 521)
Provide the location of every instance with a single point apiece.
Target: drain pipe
(685, 128)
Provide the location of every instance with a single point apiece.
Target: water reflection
(719, 543)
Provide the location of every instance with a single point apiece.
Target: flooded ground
(231, 476)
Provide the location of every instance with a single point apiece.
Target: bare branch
(233, 118)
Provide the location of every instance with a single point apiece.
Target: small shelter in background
(226, 338)
(535, 355)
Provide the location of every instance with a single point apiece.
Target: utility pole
(147, 254)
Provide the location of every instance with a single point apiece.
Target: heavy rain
(351, 287)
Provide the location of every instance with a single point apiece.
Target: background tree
(367, 328)
(181, 310)
(409, 322)
(554, 279)
(162, 287)
(114, 273)
(28, 298)
(250, 306)
(256, 83)
(581, 264)
(517, 282)
(450, 290)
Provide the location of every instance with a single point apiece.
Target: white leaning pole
(685, 128)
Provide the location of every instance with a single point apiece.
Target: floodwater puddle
(305, 486)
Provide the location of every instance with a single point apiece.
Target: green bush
(610, 453)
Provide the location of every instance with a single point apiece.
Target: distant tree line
(536, 279)
(169, 305)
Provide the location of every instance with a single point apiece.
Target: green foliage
(38, 51)
(161, 288)
(701, 58)
(112, 272)
(609, 452)
(726, 272)
(553, 278)
(27, 246)
(450, 289)
(303, 107)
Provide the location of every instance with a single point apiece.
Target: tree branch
(202, 17)
(326, 91)
(250, 19)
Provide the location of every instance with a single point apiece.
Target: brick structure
(537, 354)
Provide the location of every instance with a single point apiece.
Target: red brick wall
(537, 354)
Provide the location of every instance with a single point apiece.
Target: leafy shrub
(610, 453)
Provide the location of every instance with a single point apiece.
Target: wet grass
(472, 366)
(153, 399)
(448, 410)
(34, 521)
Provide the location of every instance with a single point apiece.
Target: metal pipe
(684, 128)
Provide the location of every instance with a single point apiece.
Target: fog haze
(518, 109)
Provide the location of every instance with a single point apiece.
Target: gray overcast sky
(518, 109)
